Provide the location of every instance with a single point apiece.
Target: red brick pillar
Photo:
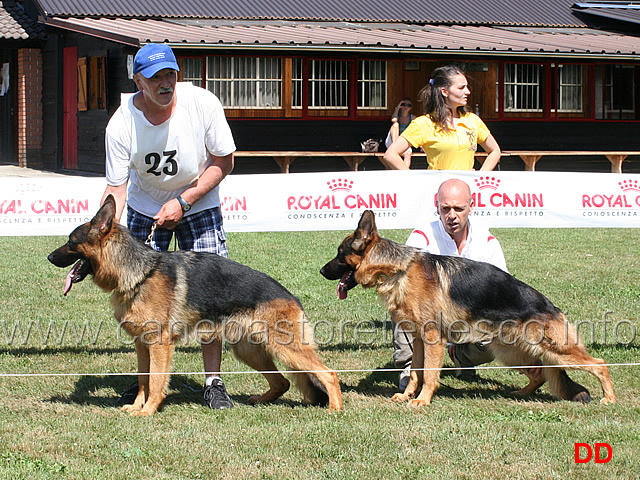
(29, 107)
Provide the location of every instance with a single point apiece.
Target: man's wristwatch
(184, 204)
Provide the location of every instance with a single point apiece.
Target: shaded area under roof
(628, 15)
(464, 39)
(487, 12)
(15, 24)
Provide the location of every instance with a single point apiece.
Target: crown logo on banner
(340, 185)
(629, 185)
(487, 182)
(28, 188)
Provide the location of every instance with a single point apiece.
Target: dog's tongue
(342, 294)
(342, 287)
(69, 282)
(67, 285)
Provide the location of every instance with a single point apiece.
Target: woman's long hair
(433, 102)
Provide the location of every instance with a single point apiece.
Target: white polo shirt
(480, 246)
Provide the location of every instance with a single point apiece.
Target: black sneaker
(216, 396)
(128, 397)
(405, 376)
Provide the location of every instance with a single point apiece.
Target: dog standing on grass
(159, 297)
(463, 301)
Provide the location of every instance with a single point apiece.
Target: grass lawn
(68, 427)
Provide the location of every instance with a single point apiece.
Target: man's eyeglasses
(405, 105)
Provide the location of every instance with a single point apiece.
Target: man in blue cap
(168, 147)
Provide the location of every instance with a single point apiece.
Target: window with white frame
(296, 83)
(192, 70)
(522, 88)
(570, 88)
(250, 82)
(245, 82)
(372, 84)
(328, 84)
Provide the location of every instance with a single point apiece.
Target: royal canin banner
(335, 200)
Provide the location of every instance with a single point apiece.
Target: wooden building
(550, 74)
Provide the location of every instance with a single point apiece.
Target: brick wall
(29, 107)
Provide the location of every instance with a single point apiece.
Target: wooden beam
(530, 161)
(616, 162)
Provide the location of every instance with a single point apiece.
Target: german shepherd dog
(160, 297)
(463, 301)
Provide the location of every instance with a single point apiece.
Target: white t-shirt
(162, 161)
(480, 246)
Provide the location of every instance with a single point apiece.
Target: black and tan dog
(462, 301)
(160, 297)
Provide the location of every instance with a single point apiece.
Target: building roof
(15, 24)
(374, 38)
(492, 27)
(486, 12)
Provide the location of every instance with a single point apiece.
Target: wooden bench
(530, 158)
(284, 159)
(353, 159)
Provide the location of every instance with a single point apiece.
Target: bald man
(453, 235)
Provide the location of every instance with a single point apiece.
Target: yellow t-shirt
(448, 149)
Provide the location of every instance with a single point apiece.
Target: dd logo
(589, 453)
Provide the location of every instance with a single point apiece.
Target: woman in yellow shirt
(449, 134)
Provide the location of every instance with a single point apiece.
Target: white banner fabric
(335, 200)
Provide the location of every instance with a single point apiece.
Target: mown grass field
(69, 427)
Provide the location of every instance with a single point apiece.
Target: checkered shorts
(200, 232)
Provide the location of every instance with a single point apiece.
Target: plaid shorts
(200, 232)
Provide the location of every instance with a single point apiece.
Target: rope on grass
(354, 370)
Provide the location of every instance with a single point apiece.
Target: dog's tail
(318, 384)
(563, 387)
(312, 390)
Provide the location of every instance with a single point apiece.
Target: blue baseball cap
(152, 58)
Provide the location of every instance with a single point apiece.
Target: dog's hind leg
(563, 387)
(257, 358)
(572, 354)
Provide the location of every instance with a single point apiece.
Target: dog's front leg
(160, 355)
(415, 380)
(434, 347)
(142, 352)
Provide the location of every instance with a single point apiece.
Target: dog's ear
(103, 221)
(367, 223)
(366, 228)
